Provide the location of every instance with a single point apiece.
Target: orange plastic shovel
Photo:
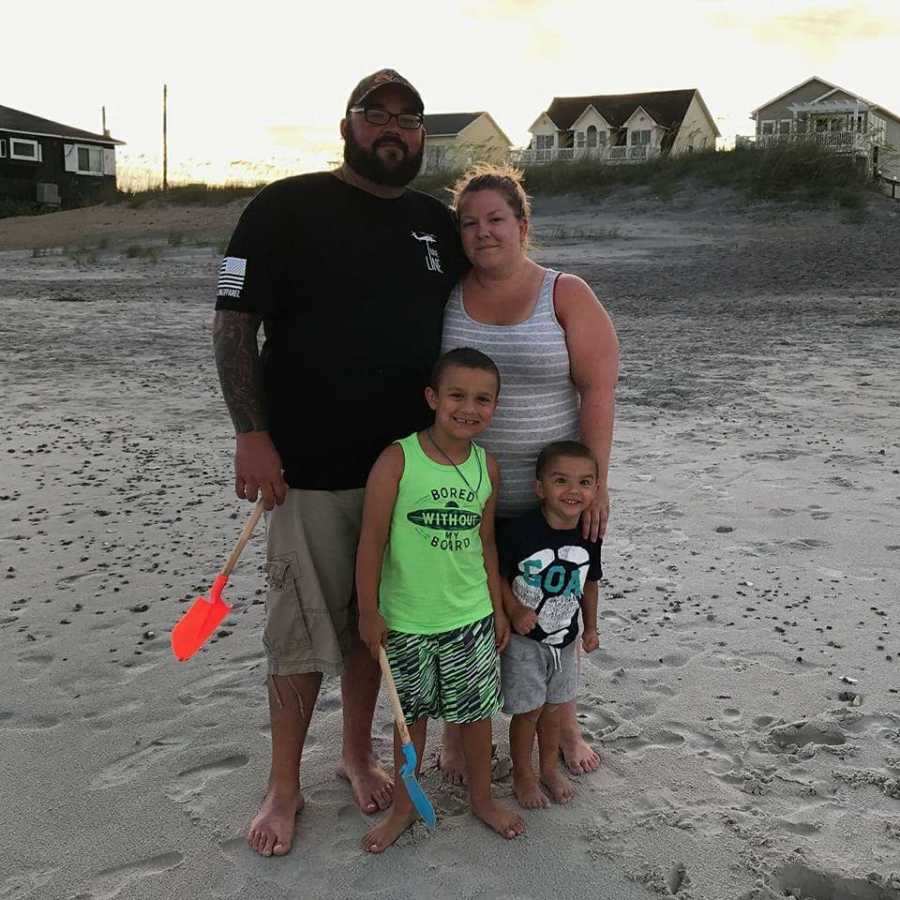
(201, 620)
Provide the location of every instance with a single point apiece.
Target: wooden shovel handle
(249, 525)
(391, 688)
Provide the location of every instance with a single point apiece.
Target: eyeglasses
(375, 116)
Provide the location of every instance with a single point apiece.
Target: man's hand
(257, 469)
(372, 631)
(590, 641)
(523, 620)
(501, 631)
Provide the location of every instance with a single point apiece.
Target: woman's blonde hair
(506, 180)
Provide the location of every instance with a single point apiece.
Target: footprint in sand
(37, 723)
(799, 734)
(189, 786)
(798, 880)
(33, 665)
(111, 882)
(135, 764)
(23, 884)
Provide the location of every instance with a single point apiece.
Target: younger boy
(549, 572)
(428, 582)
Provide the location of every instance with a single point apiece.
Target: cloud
(828, 25)
(505, 9)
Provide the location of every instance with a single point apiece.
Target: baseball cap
(379, 79)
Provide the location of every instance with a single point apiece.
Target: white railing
(839, 141)
(623, 154)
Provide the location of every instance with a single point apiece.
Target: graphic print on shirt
(231, 276)
(551, 582)
(440, 520)
(432, 260)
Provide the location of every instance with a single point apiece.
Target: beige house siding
(544, 126)
(697, 132)
(479, 141)
(889, 155)
(484, 140)
(780, 109)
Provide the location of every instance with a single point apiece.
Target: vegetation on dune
(804, 172)
(192, 194)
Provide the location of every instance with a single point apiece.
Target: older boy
(428, 583)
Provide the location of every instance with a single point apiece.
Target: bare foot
(528, 792)
(379, 838)
(504, 821)
(579, 757)
(373, 788)
(561, 789)
(451, 760)
(272, 829)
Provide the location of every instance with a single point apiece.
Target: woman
(558, 356)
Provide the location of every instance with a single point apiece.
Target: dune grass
(191, 194)
(800, 172)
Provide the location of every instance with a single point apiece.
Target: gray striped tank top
(538, 401)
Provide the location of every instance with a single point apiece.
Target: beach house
(817, 111)
(54, 164)
(456, 140)
(621, 128)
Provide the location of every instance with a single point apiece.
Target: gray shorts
(533, 674)
(311, 610)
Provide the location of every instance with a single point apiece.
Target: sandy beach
(746, 696)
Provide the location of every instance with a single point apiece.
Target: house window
(579, 139)
(543, 141)
(592, 136)
(90, 160)
(22, 149)
(2, 148)
(640, 138)
(768, 128)
(784, 126)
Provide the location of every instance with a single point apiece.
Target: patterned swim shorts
(453, 675)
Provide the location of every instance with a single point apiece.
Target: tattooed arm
(257, 465)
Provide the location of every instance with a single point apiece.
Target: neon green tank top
(433, 577)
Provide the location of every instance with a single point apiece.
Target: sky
(257, 90)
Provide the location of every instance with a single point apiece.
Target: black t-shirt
(351, 288)
(547, 570)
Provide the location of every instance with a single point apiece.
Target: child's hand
(590, 641)
(524, 620)
(372, 631)
(501, 631)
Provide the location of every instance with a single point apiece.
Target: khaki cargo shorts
(311, 610)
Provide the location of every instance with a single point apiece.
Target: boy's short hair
(563, 448)
(467, 358)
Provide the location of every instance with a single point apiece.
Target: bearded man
(348, 273)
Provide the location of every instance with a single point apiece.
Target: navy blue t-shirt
(548, 569)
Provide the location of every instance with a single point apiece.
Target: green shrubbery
(802, 171)
(194, 194)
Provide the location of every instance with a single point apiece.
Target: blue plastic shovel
(408, 769)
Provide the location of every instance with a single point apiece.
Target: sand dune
(746, 697)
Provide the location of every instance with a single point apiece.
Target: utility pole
(165, 184)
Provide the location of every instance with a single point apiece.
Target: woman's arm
(378, 508)
(491, 563)
(594, 363)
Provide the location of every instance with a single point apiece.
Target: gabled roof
(451, 124)
(25, 123)
(447, 124)
(831, 89)
(666, 107)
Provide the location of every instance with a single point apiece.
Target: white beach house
(621, 128)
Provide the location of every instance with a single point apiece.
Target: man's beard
(368, 164)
